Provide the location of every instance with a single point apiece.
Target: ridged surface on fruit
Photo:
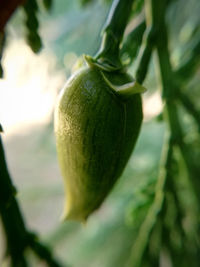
(96, 130)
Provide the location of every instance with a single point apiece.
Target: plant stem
(157, 34)
(113, 32)
(150, 220)
(166, 75)
(11, 216)
(189, 106)
(149, 39)
(145, 55)
(185, 71)
(42, 251)
(133, 41)
(17, 235)
(170, 87)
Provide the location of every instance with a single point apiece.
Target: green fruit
(97, 122)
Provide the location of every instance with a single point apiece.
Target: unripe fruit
(97, 122)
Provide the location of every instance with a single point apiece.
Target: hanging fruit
(97, 122)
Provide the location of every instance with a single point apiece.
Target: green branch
(157, 37)
(149, 39)
(150, 220)
(133, 41)
(169, 85)
(189, 106)
(185, 71)
(166, 75)
(145, 54)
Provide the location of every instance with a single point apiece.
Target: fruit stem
(113, 33)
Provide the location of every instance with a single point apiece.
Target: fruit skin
(96, 130)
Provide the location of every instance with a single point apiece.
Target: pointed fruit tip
(69, 215)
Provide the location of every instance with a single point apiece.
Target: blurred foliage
(2, 41)
(32, 24)
(74, 28)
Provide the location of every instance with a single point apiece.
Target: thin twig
(169, 86)
(12, 220)
(133, 41)
(145, 54)
(42, 251)
(150, 220)
(190, 107)
(188, 68)
(17, 235)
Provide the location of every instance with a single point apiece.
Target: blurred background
(27, 97)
